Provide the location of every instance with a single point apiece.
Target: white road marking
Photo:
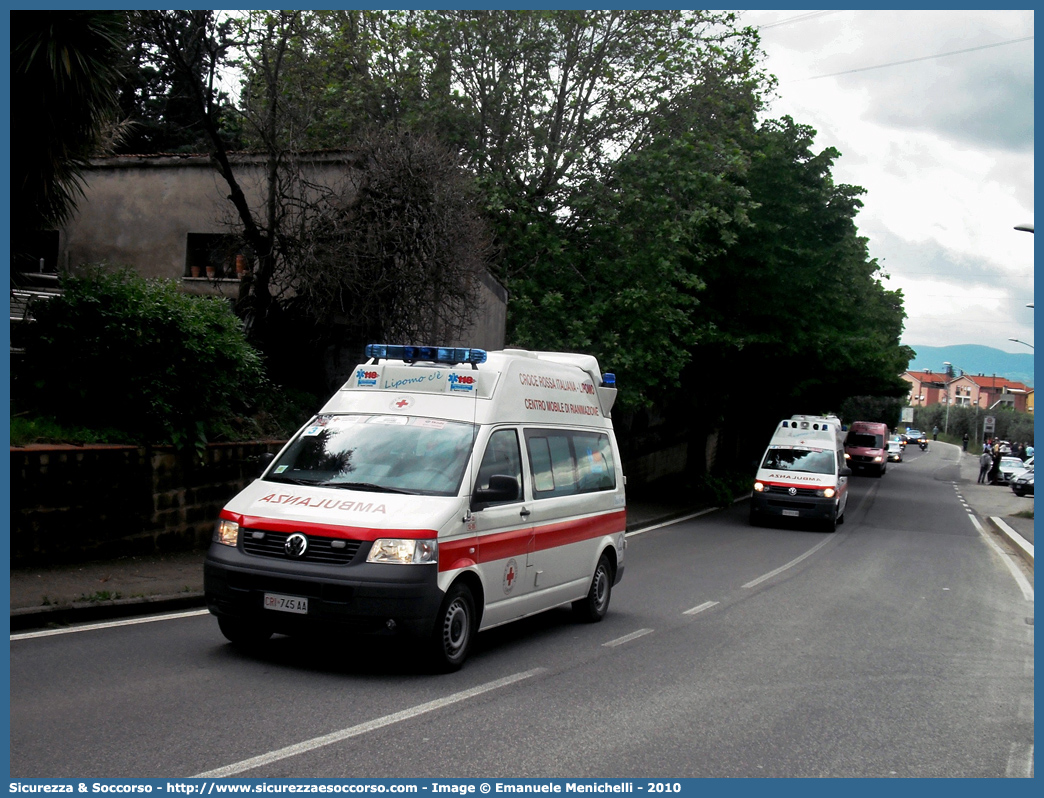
(365, 728)
(1020, 761)
(672, 521)
(626, 638)
(90, 627)
(1020, 578)
(791, 564)
(704, 606)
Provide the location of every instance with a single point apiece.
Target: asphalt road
(899, 646)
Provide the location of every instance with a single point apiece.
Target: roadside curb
(86, 612)
(1025, 548)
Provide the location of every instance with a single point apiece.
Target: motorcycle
(923, 445)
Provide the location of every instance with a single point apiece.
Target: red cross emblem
(510, 575)
(401, 403)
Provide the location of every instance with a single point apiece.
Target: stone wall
(76, 503)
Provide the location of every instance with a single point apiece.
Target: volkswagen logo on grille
(791, 491)
(296, 545)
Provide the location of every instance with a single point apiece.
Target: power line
(799, 18)
(914, 60)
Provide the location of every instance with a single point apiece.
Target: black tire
(1018, 492)
(455, 629)
(831, 522)
(593, 607)
(755, 518)
(243, 633)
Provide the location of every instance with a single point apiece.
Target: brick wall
(75, 503)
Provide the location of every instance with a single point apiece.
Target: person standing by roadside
(985, 461)
(995, 452)
(965, 441)
(935, 432)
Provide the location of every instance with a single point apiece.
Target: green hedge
(119, 352)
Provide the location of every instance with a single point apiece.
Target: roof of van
(510, 385)
(808, 431)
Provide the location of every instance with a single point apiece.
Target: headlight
(878, 459)
(226, 533)
(759, 487)
(828, 492)
(406, 552)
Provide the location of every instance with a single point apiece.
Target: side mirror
(501, 489)
(263, 462)
(845, 472)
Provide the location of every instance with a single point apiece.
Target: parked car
(1022, 484)
(895, 452)
(1027, 465)
(1009, 467)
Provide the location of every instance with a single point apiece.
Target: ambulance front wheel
(454, 630)
(242, 633)
(595, 605)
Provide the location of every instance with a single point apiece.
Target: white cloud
(943, 146)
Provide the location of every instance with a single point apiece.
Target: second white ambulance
(803, 474)
(440, 492)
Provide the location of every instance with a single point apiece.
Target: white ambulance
(439, 493)
(803, 474)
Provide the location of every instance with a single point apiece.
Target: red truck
(866, 447)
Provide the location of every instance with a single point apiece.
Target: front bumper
(359, 597)
(780, 504)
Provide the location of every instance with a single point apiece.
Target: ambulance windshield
(396, 454)
(813, 461)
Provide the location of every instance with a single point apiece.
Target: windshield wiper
(371, 486)
(292, 480)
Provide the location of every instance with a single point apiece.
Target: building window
(213, 255)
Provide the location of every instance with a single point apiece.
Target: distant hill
(975, 359)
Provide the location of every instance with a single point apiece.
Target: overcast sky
(943, 145)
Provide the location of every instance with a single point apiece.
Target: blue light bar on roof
(608, 380)
(449, 356)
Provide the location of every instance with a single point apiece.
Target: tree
(159, 99)
(563, 116)
(397, 254)
(797, 300)
(390, 246)
(195, 46)
(64, 73)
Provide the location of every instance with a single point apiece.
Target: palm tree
(64, 76)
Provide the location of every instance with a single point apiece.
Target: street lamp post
(946, 424)
(1016, 340)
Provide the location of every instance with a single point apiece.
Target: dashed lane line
(791, 564)
(700, 608)
(627, 638)
(364, 728)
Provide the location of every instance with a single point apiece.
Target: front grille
(792, 505)
(266, 583)
(780, 490)
(263, 543)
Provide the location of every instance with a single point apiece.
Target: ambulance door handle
(524, 512)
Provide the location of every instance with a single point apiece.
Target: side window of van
(594, 462)
(567, 462)
(502, 458)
